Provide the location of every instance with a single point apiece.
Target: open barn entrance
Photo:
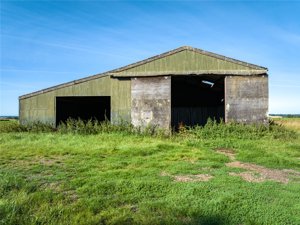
(194, 99)
(85, 108)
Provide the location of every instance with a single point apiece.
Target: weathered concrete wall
(151, 101)
(41, 107)
(246, 99)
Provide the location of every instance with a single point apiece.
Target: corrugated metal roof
(185, 60)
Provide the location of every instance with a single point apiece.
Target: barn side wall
(151, 101)
(246, 99)
(41, 107)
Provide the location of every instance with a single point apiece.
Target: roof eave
(202, 72)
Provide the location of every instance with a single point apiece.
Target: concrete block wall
(246, 99)
(151, 101)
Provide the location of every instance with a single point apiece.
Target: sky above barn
(45, 43)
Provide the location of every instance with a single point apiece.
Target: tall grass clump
(38, 126)
(213, 129)
(78, 126)
(95, 127)
(9, 126)
(15, 126)
(82, 127)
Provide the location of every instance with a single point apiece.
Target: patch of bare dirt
(192, 178)
(72, 195)
(40, 176)
(248, 176)
(49, 162)
(257, 173)
(264, 173)
(192, 161)
(292, 172)
(54, 186)
(227, 152)
(30, 161)
(133, 208)
(189, 178)
(165, 174)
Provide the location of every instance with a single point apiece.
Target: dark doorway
(194, 99)
(85, 108)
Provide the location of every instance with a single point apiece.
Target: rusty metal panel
(151, 101)
(246, 99)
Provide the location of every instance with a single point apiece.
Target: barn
(185, 85)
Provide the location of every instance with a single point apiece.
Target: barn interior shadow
(208, 220)
(82, 107)
(194, 99)
(195, 220)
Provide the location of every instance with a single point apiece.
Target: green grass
(116, 177)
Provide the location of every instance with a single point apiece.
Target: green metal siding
(181, 63)
(41, 107)
(120, 100)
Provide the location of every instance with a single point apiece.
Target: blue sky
(45, 43)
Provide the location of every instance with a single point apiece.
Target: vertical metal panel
(120, 100)
(151, 101)
(246, 99)
(184, 61)
(41, 107)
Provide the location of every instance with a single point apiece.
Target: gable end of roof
(256, 69)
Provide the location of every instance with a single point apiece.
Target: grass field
(290, 123)
(215, 175)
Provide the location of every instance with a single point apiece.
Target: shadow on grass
(207, 220)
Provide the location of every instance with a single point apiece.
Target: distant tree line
(286, 115)
(9, 117)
